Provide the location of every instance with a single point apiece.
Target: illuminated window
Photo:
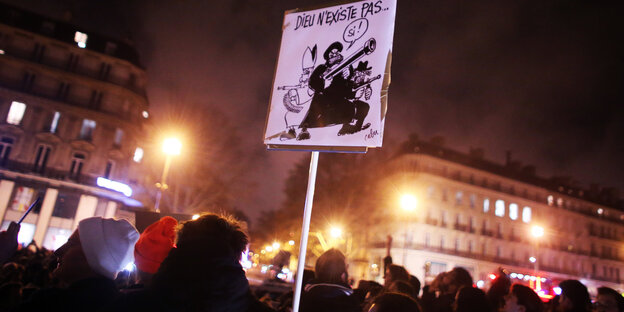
(473, 199)
(23, 198)
(26, 233)
(499, 209)
(86, 132)
(486, 205)
(458, 198)
(118, 137)
(16, 113)
(81, 39)
(145, 114)
(513, 211)
(1, 52)
(550, 200)
(526, 214)
(55, 121)
(138, 155)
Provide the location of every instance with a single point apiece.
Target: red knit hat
(154, 244)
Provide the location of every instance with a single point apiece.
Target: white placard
(332, 76)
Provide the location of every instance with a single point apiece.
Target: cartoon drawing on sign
(337, 89)
(354, 31)
(294, 102)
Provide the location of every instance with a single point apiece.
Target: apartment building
(480, 215)
(72, 109)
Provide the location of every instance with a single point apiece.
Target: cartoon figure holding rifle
(337, 89)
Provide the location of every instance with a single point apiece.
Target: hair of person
(415, 282)
(527, 298)
(398, 273)
(330, 267)
(212, 230)
(402, 287)
(472, 299)
(611, 292)
(576, 292)
(461, 277)
(394, 302)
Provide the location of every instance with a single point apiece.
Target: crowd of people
(196, 266)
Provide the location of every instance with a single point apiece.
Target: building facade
(72, 110)
(479, 215)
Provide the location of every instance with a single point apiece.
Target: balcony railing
(49, 173)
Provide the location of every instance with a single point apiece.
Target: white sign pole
(307, 213)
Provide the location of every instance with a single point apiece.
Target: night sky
(544, 79)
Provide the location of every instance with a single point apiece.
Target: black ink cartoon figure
(293, 100)
(338, 88)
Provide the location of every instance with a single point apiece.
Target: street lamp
(335, 232)
(408, 204)
(537, 232)
(171, 147)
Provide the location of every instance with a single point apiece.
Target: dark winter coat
(329, 298)
(91, 294)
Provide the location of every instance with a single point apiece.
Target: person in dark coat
(202, 273)
(574, 297)
(87, 266)
(329, 292)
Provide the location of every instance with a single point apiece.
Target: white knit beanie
(108, 244)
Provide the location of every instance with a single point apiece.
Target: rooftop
(65, 32)
(606, 196)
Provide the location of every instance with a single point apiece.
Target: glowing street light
(409, 202)
(171, 147)
(335, 232)
(276, 245)
(532, 259)
(291, 242)
(195, 216)
(537, 231)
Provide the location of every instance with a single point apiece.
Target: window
(498, 252)
(458, 198)
(427, 239)
(430, 191)
(86, 132)
(513, 211)
(145, 114)
(109, 168)
(6, 144)
(444, 194)
(442, 242)
(499, 210)
(41, 159)
(526, 214)
(470, 246)
(456, 244)
(66, 205)
(118, 137)
(16, 113)
(76, 165)
(486, 205)
(473, 200)
(550, 200)
(23, 198)
(81, 39)
(138, 155)
(54, 123)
